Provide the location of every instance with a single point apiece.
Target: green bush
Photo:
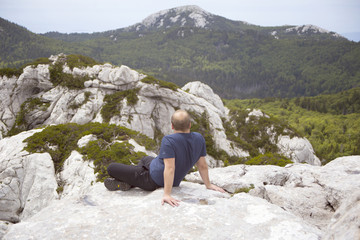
(269, 159)
(252, 135)
(10, 72)
(244, 189)
(200, 124)
(79, 61)
(36, 62)
(58, 77)
(76, 106)
(112, 105)
(20, 122)
(60, 140)
(331, 134)
(161, 83)
(103, 154)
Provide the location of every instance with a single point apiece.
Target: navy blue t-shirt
(186, 148)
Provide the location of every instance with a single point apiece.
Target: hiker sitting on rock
(179, 152)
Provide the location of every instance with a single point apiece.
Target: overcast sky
(66, 16)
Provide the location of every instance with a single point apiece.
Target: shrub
(244, 189)
(200, 123)
(10, 72)
(252, 134)
(79, 61)
(29, 105)
(103, 154)
(58, 77)
(161, 83)
(112, 105)
(76, 106)
(36, 62)
(60, 140)
(269, 159)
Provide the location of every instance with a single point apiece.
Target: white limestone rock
(257, 113)
(311, 192)
(139, 148)
(299, 150)
(340, 178)
(4, 225)
(202, 214)
(202, 90)
(85, 140)
(77, 175)
(27, 180)
(14, 91)
(345, 224)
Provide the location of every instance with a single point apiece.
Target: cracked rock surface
(27, 181)
(313, 193)
(136, 214)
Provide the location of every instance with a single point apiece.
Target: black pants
(136, 176)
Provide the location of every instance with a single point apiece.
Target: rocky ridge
(148, 115)
(299, 201)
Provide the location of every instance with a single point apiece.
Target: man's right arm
(204, 173)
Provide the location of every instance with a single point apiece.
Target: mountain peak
(190, 15)
(310, 29)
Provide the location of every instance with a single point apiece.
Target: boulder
(202, 90)
(299, 150)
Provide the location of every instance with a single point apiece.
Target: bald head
(181, 121)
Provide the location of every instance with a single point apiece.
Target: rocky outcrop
(202, 214)
(27, 181)
(148, 115)
(310, 192)
(299, 201)
(299, 150)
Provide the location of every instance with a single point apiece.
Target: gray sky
(66, 16)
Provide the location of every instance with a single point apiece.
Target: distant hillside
(237, 59)
(19, 45)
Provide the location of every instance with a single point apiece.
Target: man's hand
(204, 173)
(170, 200)
(215, 188)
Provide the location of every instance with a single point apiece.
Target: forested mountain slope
(235, 58)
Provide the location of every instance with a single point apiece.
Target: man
(179, 152)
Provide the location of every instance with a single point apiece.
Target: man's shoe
(112, 185)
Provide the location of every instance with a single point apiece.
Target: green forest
(236, 63)
(332, 128)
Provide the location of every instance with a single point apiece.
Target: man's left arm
(169, 172)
